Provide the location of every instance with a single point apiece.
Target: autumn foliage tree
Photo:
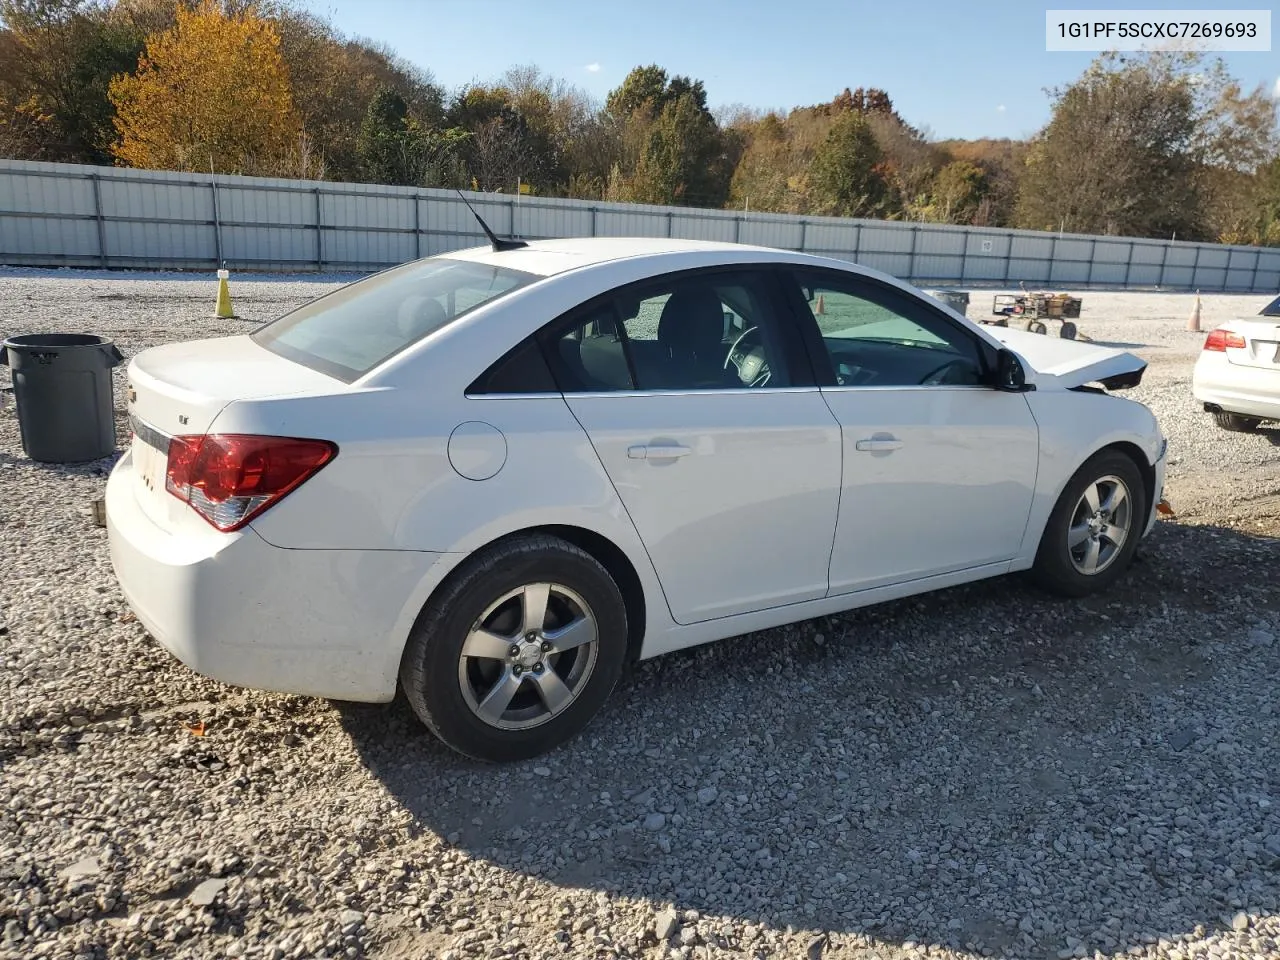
(59, 56)
(211, 92)
(848, 175)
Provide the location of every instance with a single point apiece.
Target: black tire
(429, 670)
(1235, 422)
(1055, 570)
(1068, 331)
(1036, 326)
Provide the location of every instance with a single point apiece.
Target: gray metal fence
(57, 214)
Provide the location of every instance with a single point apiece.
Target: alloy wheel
(528, 656)
(1100, 525)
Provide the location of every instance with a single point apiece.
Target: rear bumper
(1252, 391)
(324, 623)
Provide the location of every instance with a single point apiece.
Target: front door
(939, 469)
(726, 460)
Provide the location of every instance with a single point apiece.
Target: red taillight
(1220, 339)
(231, 478)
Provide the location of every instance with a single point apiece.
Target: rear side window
(352, 330)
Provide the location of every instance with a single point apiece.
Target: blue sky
(960, 69)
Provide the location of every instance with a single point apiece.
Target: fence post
(1164, 259)
(217, 225)
(319, 231)
(593, 221)
(1093, 252)
(857, 241)
(1195, 267)
(1008, 259)
(511, 204)
(1053, 258)
(102, 226)
(1257, 262)
(737, 230)
(964, 254)
(417, 227)
(670, 217)
(804, 235)
(911, 257)
(1128, 267)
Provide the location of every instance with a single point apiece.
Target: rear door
(698, 401)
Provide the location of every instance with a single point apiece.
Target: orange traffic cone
(822, 306)
(1193, 321)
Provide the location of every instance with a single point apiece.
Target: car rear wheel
(1235, 422)
(518, 651)
(1094, 529)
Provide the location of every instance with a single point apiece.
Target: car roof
(549, 257)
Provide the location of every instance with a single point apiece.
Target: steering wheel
(752, 368)
(940, 375)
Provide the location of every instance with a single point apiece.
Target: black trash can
(62, 384)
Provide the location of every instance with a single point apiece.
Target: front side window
(701, 332)
(352, 330)
(875, 336)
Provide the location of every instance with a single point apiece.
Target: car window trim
(799, 369)
(850, 282)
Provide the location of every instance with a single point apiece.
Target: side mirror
(1010, 375)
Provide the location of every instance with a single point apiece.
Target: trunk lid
(1072, 362)
(180, 388)
(1261, 343)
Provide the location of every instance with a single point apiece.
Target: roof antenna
(498, 243)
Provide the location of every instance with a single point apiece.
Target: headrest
(693, 321)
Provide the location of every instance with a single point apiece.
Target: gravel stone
(665, 924)
(981, 772)
(207, 892)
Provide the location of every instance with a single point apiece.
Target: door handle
(878, 444)
(656, 451)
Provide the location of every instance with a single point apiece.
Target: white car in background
(1237, 376)
(493, 476)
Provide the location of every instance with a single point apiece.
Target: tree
(644, 88)
(671, 149)
(958, 191)
(59, 57)
(1002, 163)
(383, 146)
(210, 92)
(334, 79)
(848, 179)
(763, 177)
(1119, 155)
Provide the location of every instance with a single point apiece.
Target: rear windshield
(350, 331)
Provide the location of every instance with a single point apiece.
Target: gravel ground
(982, 771)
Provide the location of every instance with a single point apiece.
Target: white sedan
(492, 477)
(1237, 376)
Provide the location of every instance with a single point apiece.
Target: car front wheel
(1094, 529)
(518, 651)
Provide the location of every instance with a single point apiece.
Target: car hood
(1073, 363)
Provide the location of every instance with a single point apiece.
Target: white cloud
(1000, 109)
(593, 68)
(1275, 92)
